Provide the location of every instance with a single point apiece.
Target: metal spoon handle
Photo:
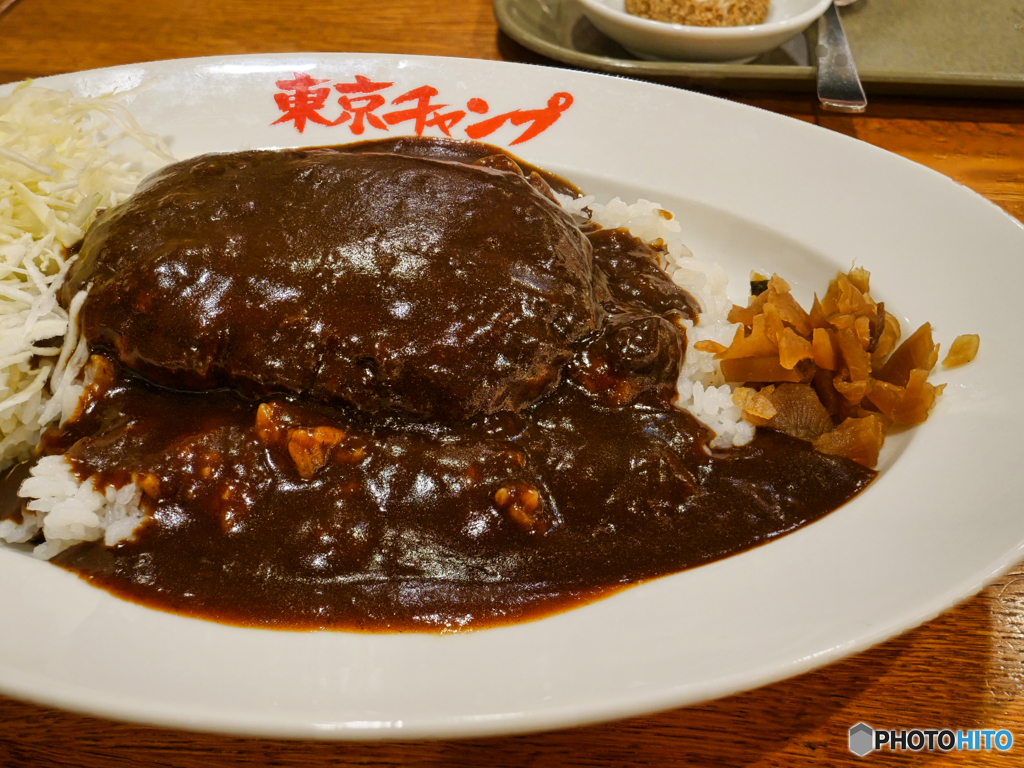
(839, 88)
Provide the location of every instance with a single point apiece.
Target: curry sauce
(331, 475)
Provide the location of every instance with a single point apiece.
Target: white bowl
(654, 40)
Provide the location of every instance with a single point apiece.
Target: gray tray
(957, 48)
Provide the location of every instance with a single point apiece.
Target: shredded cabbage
(62, 158)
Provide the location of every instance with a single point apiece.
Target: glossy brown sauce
(296, 503)
(432, 288)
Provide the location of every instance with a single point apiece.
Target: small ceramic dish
(659, 40)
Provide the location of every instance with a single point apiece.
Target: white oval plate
(752, 190)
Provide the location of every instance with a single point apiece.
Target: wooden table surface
(963, 670)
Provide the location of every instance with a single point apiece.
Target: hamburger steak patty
(431, 288)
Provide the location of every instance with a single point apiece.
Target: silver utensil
(839, 88)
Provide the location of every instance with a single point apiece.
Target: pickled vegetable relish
(836, 375)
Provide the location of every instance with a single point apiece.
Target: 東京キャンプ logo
(863, 739)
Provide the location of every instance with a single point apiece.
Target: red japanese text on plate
(362, 103)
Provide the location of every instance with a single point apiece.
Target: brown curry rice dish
(316, 436)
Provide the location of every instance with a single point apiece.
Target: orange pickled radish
(888, 339)
(841, 362)
(757, 406)
(817, 315)
(759, 369)
(824, 352)
(857, 439)
(963, 350)
(856, 359)
(860, 278)
(852, 391)
(862, 329)
(905, 405)
(793, 314)
(793, 349)
(918, 351)
(754, 344)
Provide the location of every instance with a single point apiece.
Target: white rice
(68, 511)
(702, 389)
(61, 158)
